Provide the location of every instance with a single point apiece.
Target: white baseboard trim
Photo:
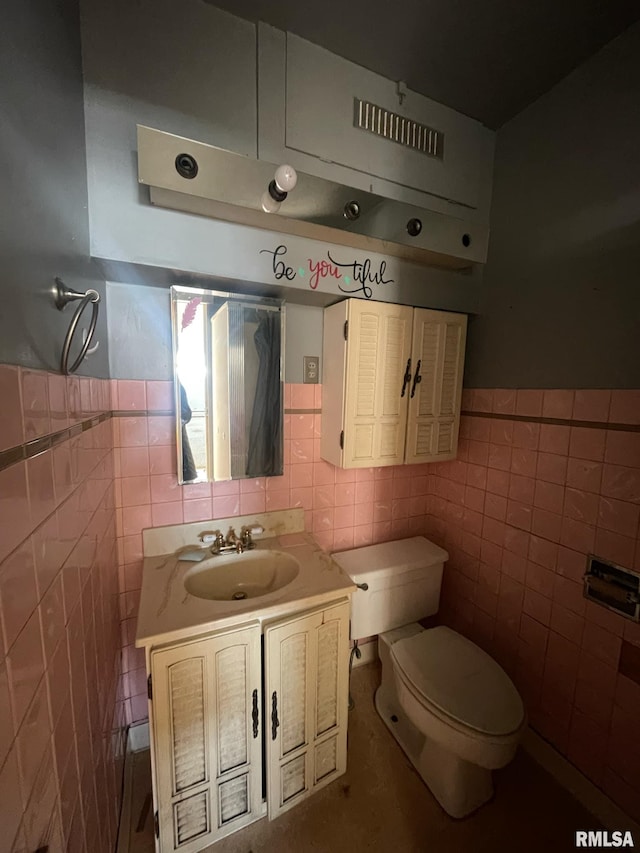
(138, 737)
(591, 797)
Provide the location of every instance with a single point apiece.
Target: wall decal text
(353, 276)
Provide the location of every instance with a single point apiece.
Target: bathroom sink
(235, 577)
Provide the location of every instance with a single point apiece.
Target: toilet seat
(463, 683)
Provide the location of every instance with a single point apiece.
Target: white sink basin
(232, 577)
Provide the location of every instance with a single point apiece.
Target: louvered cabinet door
(375, 417)
(434, 401)
(208, 744)
(307, 670)
(331, 695)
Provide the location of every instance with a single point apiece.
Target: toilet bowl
(450, 706)
(453, 710)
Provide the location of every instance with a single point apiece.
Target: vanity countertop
(168, 613)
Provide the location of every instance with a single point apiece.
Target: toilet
(453, 710)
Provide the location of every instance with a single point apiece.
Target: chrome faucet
(234, 542)
(230, 542)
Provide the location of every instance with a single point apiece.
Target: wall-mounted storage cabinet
(307, 117)
(392, 384)
(213, 738)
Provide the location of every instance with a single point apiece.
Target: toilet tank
(403, 578)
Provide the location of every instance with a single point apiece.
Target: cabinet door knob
(407, 377)
(275, 722)
(417, 378)
(254, 713)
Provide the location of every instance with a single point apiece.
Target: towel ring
(64, 295)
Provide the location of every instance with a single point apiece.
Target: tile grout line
(29, 449)
(36, 446)
(570, 422)
(142, 413)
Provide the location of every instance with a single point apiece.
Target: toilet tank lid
(388, 558)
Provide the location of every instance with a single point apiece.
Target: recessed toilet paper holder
(613, 587)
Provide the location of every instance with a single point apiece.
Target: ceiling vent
(397, 128)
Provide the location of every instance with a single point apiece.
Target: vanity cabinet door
(306, 702)
(437, 357)
(208, 745)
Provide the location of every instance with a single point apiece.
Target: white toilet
(450, 706)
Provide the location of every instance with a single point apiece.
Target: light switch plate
(311, 369)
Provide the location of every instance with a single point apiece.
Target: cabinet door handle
(417, 379)
(254, 713)
(406, 379)
(275, 722)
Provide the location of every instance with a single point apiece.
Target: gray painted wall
(186, 68)
(44, 229)
(190, 69)
(303, 336)
(561, 296)
(140, 333)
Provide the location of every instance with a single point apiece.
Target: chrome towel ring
(64, 295)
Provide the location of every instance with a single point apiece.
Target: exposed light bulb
(286, 178)
(269, 204)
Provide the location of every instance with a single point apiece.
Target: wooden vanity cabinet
(211, 734)
(392, 384)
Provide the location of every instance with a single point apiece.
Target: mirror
(228, 356)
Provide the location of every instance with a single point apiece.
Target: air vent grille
(397, 128)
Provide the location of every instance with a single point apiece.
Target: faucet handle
(213, 538)
(247, 533)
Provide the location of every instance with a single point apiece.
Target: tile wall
(61, 703)
(343, 509)
(543, 479)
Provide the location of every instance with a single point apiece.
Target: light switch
(311, 369)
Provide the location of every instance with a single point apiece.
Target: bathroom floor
(382, 806)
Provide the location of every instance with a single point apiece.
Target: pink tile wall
(61, 704)
(519, 511)
(343, 509)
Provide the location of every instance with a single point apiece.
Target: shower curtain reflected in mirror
(264, 456)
